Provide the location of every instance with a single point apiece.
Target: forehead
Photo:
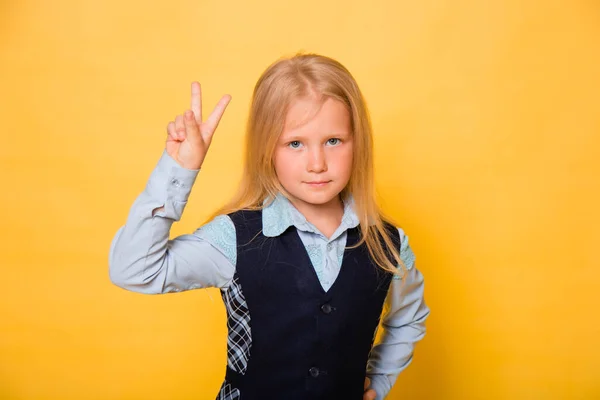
(312, 115)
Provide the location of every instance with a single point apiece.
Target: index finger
(213, 119)
(197, 102)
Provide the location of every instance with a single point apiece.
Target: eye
(334, 141)
(295, 144)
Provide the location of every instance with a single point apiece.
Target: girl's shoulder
(220, 233)
(401, 239)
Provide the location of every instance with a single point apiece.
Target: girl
(305, 260)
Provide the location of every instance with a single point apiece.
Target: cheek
(350, 157)
(282, 164)
(344, 161)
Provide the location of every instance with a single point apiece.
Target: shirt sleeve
(403, 324)
(142, 258)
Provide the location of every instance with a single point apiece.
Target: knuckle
(191, 125)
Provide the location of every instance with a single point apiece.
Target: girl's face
(313, 156)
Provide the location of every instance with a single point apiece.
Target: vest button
(314, 372)
(326, 308)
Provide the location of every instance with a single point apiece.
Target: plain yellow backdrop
(487, 122)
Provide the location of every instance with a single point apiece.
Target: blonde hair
(280, 84)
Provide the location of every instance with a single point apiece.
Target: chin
(317, 198)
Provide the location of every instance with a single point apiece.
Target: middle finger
(196, 102)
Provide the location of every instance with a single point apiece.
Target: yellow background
(487, 119)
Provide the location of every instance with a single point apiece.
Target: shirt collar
(280, 214)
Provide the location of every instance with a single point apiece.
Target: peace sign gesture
(188, 137)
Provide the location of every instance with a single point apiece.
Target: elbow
(126, 277)
(135, 273)
(117, 277)
(122, 268)
(116, 268)
(122, 274)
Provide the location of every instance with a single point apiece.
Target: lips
(317, 183)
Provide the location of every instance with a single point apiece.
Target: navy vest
(289, 338)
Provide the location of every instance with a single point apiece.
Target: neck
(326, 217)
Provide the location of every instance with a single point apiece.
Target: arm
(143, 259)
(403, 325)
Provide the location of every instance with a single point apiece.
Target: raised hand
(188, 137)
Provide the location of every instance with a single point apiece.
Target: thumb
(370, 395)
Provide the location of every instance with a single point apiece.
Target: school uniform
(302, 310)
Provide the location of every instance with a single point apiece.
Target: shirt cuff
(169, 187)
(381, 385)
(171, 180)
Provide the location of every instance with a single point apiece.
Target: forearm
(403, 325)
(139, 257)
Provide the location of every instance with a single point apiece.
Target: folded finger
(171, 131)
(180, 127)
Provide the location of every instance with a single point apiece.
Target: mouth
(317, 183)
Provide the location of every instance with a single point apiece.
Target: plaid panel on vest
(239, 340)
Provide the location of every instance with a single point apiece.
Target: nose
(317, 161)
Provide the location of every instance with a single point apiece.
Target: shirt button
(175, 182)
(314, 372)
(329, 246)
(326, 308)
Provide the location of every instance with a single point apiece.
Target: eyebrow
(299, 138)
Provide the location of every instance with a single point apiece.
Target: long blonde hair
(280, 84)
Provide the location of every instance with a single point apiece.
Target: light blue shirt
(143, 259)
